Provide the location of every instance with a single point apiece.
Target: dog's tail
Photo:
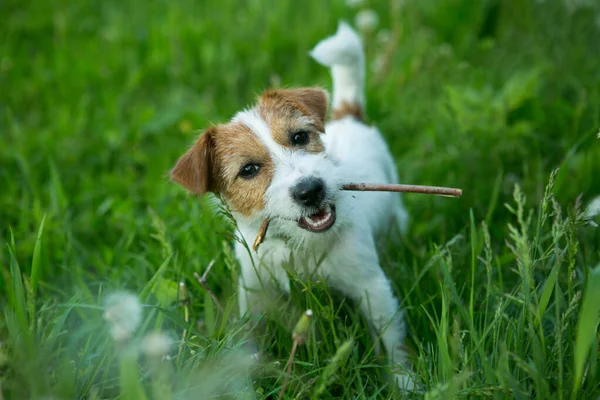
(343, 53)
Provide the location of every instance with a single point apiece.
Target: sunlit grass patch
(499, 287)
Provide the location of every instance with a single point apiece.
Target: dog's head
(269, 162)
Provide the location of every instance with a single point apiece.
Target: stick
(289, 370)
(260, 237)
(368, 187)
(202, 281)
(299, 335)
(374, 187)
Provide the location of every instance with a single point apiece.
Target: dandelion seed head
(445, 50)
(156, 344)
(123, 312)
(366, 20)
(378, 64)
(355, 3)
(383, 37)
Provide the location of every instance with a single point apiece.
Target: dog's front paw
(406, 382)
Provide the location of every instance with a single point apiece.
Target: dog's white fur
(354, 152)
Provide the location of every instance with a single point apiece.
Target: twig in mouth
(369, 187)
(260, 237)
(374, 187)
(202, 281)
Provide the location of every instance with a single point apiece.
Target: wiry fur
(343, 54)
(343, 150)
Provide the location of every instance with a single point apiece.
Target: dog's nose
(309, 192)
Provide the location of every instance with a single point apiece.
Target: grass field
(98, 99)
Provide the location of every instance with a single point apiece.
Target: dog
(282, 159)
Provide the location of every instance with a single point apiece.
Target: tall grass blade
(17, 301)
(473, 263)
(547, 290)
(587, 327)
(129, 372)
(36, 263)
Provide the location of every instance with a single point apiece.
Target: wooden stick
(299, 336)
(289, 370)
(202, 281)
(261, 234)
(368, 187)
(374, 187)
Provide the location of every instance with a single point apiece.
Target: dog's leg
(378, 304)
(260, 282)
(253, 303)
(254, 291)
(262, 277)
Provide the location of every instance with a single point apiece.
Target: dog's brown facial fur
(213, 163)
(282, 110)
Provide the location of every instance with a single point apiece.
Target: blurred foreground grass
(98, 99)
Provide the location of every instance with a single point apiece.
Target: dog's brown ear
(315, 100)
(312, 100)
(194, 169)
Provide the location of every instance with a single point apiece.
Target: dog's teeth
(325, 217)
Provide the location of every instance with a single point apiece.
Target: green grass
(98, 99)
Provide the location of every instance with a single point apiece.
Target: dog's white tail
(343, 53)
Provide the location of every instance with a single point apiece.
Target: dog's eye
(249, 171)
(299, 138)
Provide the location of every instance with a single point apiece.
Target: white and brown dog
(281, 160)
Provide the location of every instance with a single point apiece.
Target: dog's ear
(315, 100)
(194, 169)
(312, 100)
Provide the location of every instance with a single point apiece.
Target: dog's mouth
(320, 221)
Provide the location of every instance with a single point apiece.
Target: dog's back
(359, 148)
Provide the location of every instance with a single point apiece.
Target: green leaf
(588, 325)
(166, 292)
(521, 86)
(150, 286)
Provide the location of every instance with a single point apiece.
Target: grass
(501, 288)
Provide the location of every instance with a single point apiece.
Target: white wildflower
(123, 312)
(378, 64)
(366, 20)
(575, 5)
(156, 344)
(445, 50)
(593, 210)
(383, 37)
(355, 3)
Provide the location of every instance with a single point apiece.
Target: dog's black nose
(309, 192)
